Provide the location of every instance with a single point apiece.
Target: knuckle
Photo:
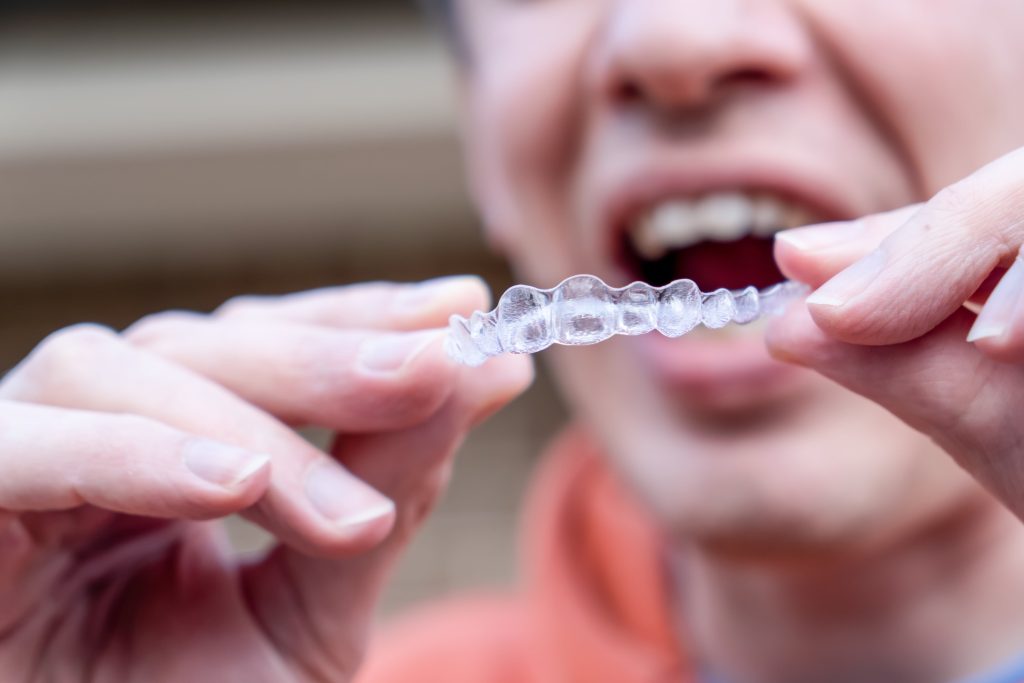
(81, 337)
(982, 209)
(65, 354)
(243, 306)
(152, 328)
(955, 201)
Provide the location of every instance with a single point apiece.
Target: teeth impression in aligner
(584, 310)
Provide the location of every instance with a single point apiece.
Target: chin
(769, 535)
(840, 489)
(768, 473)
(777, 528)
(746, 517)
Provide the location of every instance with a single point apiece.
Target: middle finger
(350, 381)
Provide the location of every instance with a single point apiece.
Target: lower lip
(708, 365)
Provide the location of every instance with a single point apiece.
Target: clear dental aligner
(584, 310)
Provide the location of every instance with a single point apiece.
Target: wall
(176, 156)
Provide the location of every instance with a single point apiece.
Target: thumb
(936, 383)
(320, 609)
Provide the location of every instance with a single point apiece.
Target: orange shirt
(593, 606)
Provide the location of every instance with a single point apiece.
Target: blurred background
(166, 155)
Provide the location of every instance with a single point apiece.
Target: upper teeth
(720, 216)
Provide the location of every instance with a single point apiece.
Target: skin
(116, 447)
(821, 530)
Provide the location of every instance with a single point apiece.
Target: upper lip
(641, 190)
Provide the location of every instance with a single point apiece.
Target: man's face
(658, 139)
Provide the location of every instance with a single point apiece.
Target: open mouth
(717, 239)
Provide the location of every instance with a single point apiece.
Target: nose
(673, 54)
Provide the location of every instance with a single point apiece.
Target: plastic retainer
(584, 310)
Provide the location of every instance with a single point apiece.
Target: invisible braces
(584, 310)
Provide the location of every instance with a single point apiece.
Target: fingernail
(850, 282)
(414, 298)
(998, 312)
(335, 495)
(390, 353)
(222, 465)
(822, 236)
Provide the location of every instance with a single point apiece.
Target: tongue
(732, 265)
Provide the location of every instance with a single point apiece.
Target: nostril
(627, 93)
(667, 90)
(743, 77)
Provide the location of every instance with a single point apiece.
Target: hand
(113, 448)
(891, 317)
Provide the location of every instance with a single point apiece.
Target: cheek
(942, 75)
(524, 98)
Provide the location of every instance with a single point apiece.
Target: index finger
(813, 254)
(369, 305)
(932, 264)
